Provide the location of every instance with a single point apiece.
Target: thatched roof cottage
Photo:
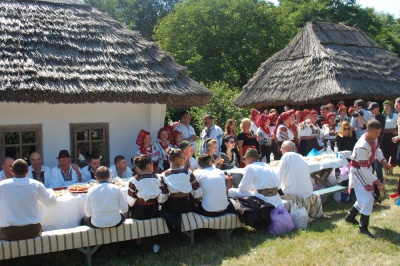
(324, 62)
(73, 78)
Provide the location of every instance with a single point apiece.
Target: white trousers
(365, 199)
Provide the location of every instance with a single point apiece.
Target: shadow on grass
(387, 234)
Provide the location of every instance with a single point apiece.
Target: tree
(223, 40)
(140, 15)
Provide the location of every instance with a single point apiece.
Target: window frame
(74, 127)
(21, 128)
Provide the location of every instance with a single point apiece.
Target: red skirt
(245, 148)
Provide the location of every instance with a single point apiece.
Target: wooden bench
(329, 190)
(88, 240)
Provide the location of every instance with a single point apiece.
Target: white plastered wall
(125, 121)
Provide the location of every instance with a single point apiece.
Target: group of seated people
(177, 189)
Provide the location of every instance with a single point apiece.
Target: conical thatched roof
(64, 51)
(324, 62)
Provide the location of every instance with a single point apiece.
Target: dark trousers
(143, 212)
(200, 210)
(265, 151)
(180, 205)
(20, 232)
(88, 221)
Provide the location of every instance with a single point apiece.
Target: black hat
(372, 106)
(63, 154)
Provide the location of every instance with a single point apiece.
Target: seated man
(212, 184)
(188, 151)
(38, 171)
(65, 173)
(105, 203)
(89, 171)
(294, 173)
(6, 165)
(19, 204)
(258, 180)
(120, 169)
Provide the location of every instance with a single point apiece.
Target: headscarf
(254, 113)
(261, 122)
(282, 117)
(304, 114)
(341, 108)
(351, 109)
(329, 115)
(313, 112)
(141, 136)
(387, 102)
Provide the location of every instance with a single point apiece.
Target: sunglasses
(346, 128)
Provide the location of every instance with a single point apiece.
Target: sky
(388, 6)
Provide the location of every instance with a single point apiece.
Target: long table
(68, 211)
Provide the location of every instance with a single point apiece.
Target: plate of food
(59, 188)
(79, 188)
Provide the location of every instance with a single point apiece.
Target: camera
(359, 113)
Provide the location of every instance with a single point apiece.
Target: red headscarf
(282, 117)
(304, 114)
(329, 115)
(313, 112)
(254, 113)
(141, 136)
(351, 110)
(261, 122)
(341, 108)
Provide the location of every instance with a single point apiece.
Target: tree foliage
(140, 15)
(224, 40)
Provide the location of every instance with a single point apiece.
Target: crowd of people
(167, 180)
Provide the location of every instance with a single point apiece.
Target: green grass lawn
(325, 242)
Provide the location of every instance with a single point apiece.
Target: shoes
(364, 222)
(351, 216)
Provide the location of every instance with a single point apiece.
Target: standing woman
(246, 139)
(329, 129)
(265, 136)
(181, 183)
(230, 130)
(283, 131)
(145, 192)
(388, 148)
(255, 114)
(342, 114)
(145, 147)
(162, 145)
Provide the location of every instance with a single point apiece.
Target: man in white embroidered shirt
(19, 204)
(120, 168)
(65, 173)
(210, 131)
(38, 171)
(365, 152)
(258, 180)
(105, 204)
(187, 130)
(293, 171)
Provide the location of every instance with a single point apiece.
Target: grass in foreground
(325, 242)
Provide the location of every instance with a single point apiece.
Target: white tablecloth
(313, 165)
(68, 211)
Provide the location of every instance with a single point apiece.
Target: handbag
(281, 221)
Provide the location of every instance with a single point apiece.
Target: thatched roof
(324, 62)
(64, 51)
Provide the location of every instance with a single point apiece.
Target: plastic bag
(299, 217)
(281, 221)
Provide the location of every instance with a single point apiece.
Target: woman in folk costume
(145, 147)
(362, 179)
(308, 132)
(342, 114)
(283, 130)
(265, 136)
(246, 139)
(145, 190)
(329, 128)
(388, 148)
(162, 143)
(293, 127)
(178, 138)
(255, 114)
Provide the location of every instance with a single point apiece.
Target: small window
(87, 139)
(19, 141)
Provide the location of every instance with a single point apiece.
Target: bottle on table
(336, 149)
(271, 158)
